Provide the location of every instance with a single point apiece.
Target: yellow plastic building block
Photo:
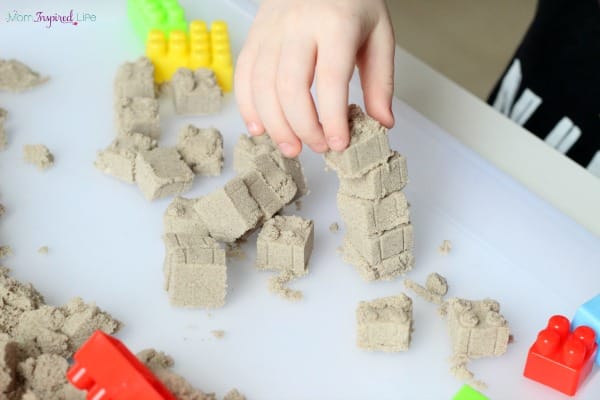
(203, 48)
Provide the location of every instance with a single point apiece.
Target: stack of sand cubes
(379, 235)
(195, 264)
(134, 155)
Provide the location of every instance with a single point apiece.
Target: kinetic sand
(38, 155)
(434, 290)
(385, 324)
(161, 172)
(119, 158)
(135, 79)
(3, 139)
(202, 150)
(196, 92)
(138, 114)
(379, 235)
(17, 77)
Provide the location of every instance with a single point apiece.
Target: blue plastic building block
(589, 314)
(468, 393)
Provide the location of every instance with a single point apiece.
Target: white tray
(105, 245)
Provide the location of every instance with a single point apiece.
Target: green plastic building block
(468, 393)
(162, 15)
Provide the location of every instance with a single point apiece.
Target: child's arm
(293, 41)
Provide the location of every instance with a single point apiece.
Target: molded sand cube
(3, 140)
(202, 150)
(269, 185)
(477, 328)
(249, 148)
(118, 159)
(368, 146)
(285, 243)
(387, 178)
(229, 212)
(180, 217)
(387, 269)
(135, 79)
(196, 92)
(138, 114)
(190, 249)
(197, 285)
(385, 324)
(373, 216)
(161, 172)
(376, 248)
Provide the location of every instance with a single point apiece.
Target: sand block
(368, 146)
(196, 92)
(201, 149)
(9, 359)
(197, 285)
(138, 114)
(17, 77)
(385, 324)
(389, 177)
(161, 172)
(3, 139)
(373, 216)
(180, 217)
(193, 249)
(190, 249)
(285, 243)
(269, 185)
(477, 329)
(387, 269)
(118, 159)
(38, 155)
(135, 79)
(378, 247)
(250, 148)
(229, 212)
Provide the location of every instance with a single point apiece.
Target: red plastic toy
(109, 371)
(559, 358)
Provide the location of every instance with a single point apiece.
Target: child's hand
(293, 41)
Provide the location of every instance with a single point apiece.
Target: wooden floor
(469, 41)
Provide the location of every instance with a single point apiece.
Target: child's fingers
(376, 68)
(243, 91)
(266, 101)
(335, 65)
(294, 78)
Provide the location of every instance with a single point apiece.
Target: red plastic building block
(559, 358)
(109, 371)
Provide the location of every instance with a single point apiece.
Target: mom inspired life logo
(50, 19)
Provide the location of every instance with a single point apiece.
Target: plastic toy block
(385, 324)
(162, 15)
(589, 314)
(285, 243)
(559, 358)
(468, 393)
(202, 49)
(106, 369)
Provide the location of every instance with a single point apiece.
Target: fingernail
(254, 128)
(336, 143)
(286, 148)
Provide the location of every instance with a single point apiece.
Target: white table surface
(105, 245)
